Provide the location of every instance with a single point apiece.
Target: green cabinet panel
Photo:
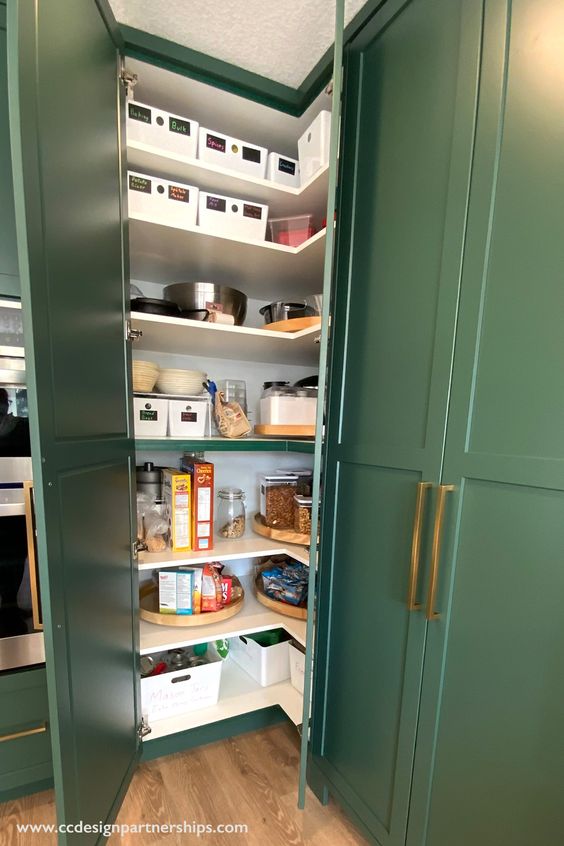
(67, 144)
(403, 198)
(9, 281)
(24, 761)
(490, 750)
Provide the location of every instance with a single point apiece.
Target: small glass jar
(231, 516)
(302, 514)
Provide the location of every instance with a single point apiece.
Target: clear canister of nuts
(231, 517)
(277, 500)
(302, 514)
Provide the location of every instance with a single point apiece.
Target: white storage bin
(266, 664)
(283, 170)
(313, 146)
(171, 203)
(230, 216)
(170, 132)
(150, 417)
(232, 153)
(181, 690)
(187, 417)
(297, 666)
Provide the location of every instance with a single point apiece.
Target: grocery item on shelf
(231, 515)
(232, 153)
(313, 146)
(212, 594)
(162, 129)
(283, 170)
(286, 582)
(230, 419)
(177, 501)
(302, 514)
(199, 298)
(187, 418)
(150, 417)
(164, 201)
(202, 476)
(277, 500)
(144, 374)
(175, 591)
(291, 231)
(281, 406)
(305, 478)
(232, 217)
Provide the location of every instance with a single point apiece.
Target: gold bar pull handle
(436, 553)
(33, 574)
(17, 734)
(422, 488)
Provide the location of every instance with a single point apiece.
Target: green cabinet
(441, 725)
(9, 281)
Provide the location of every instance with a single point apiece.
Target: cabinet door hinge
(129, 80)
(138, 546)
(143, 728)
(132, 334)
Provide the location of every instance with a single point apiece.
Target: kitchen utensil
(195, 313)
(150, 305)
(274, 312)
(307, 382)
(193, 296)
(144, 376)
(186, 382)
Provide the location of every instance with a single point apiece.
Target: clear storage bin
(291, 231)
(277, 500)
(302, 514)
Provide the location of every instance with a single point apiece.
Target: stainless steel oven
(21, 638)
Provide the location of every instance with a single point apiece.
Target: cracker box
(201, 474)
(175, 591)
(177, 500)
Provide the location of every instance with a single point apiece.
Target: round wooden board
(282, 535)
(278, 431)
(295, 324)
(280, 607)
(149, 610)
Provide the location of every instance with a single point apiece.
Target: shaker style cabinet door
(9, 282)
(64, 114)
(493, 695)
(409, 110)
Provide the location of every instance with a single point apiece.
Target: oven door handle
(31, 547)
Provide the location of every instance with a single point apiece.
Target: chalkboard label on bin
(177, 192)
(140, 183)
(182, 127)
(252, 211)
(149, 414)
(287, 167)
(216, 204)
(250, 154)
(188, 417)
(139, 113)
(215, 143)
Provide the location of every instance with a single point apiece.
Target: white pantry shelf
(263, 270)
(282, 200)
(238, 694)
(254, 617)
(238, 343)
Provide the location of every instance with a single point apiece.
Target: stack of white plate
(184, 382)
(144, 376)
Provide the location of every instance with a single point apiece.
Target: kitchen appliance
(195, 296)
(163, 201)
(149, 481)
(150, 305)
(232, 217)
(232, 153)
(21, 638)
(274, 312)
(313, 146)
(283, 170)
(161, 129)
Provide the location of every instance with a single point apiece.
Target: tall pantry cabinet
(438, 691)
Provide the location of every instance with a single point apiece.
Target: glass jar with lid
(231, 514)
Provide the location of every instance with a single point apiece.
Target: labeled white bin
(164, 201)
(313, 146)
(265, 664)
(181, 691)
(150, 418)
(232, 153)
(170, 132)
(231, 216)
(283, 170)
(297, 665)
(187, 417)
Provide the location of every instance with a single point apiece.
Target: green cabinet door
(67, 148)
(9, 281)
(490, 751)
(410, 91)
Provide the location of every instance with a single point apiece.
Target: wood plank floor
(251, 779)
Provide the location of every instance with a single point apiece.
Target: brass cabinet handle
(33, 574)
(422, 488)
(436, 553)
(39, 730)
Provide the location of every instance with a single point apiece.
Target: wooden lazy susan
(149, 610)
(296, 611)
(276, 431)
(282, 535)
(295, 324)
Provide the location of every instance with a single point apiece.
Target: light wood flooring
(250, 779)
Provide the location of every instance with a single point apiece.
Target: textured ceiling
(282, 41)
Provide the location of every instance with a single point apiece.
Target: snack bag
(230, 418)
(212, 596)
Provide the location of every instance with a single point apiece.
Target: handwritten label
(252, 211)
(182, 127)
(139, 113)
(213, 142)
(177, 192)
(215, 203)
(139, 183)
(286, 166)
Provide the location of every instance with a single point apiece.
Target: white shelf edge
(243, 331)
(250, 546)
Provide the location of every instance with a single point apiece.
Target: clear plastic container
(305, 479)
(302, 514)
(234, 390)
(291, 231)
(277, 500)
(231, 514)
(288, 406)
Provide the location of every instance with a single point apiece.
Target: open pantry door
(67, 148)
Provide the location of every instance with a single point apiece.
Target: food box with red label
(201, 475)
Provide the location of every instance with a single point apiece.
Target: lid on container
(281, 391)
(148, 473)
(301, 219)
(300, 472)
(284, 478)
(231, 493)
(305, 501)
(266, 385)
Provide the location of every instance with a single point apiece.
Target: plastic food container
(277, 500)
(171, 203)
(286, 406)
(313, 146)
(265, 661)
(150, 417)
(305, 478)
(302, 514)
(233, 217)
(291, 231)
(283, 170)
(161, 129)
(187, 417)
(232, 153)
